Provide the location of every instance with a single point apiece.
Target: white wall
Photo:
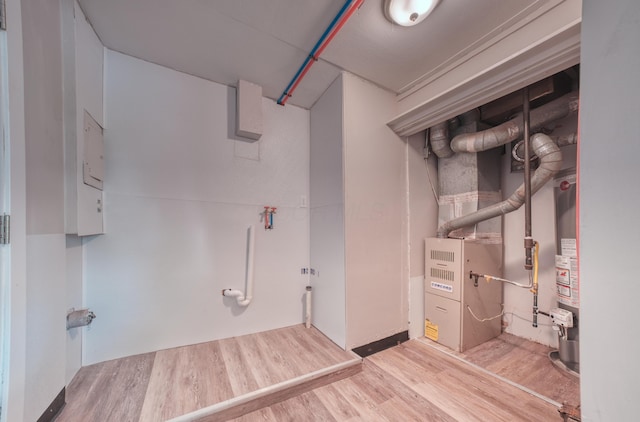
(46, 324)
(45, 292)
(89, 80)
(518, 302)
(609, 203)
(180, 193)
(14, 284)
(74, 300)
(83, 60)
(375, 215)
(423, 218)
(82, 55)
(359, 208)
(327, 215)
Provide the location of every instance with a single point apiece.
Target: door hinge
(3, 15)
(5, 229)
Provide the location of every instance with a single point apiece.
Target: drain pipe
(307, 309)
(244, 299)
(550, 163)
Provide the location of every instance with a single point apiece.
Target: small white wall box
(249, 110)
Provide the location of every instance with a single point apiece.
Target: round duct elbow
(550, 163)
(513, 129)
(439, 140)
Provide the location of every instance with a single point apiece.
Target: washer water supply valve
(267, 216)
(561, 317)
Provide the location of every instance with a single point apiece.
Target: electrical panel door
(93, 157)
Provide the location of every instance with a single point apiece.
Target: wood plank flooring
(526, 363)
(109, 391)
(412, 382)
(168, 383)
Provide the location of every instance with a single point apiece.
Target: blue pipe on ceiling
(312, 55)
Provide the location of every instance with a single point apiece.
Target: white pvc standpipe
(244, 299)
(307, 314)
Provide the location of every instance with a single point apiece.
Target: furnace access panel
(452, 297)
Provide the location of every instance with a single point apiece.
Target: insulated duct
(503, 134)
(550, 163)
(513, 129)
(517, 152)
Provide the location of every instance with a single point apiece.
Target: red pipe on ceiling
(314, 56)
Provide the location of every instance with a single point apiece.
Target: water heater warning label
(430, 330)
(567, 282)
(568, 247)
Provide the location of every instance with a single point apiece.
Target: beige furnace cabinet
(452, 296)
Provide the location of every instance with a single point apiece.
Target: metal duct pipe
(550, 163)
(563, 141)
(439, 140)
(512, 129)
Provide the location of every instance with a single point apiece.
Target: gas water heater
(567, 280)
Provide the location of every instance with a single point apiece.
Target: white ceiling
(266, 41)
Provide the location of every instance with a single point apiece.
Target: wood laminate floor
(412, 381)
(157, 386)
(526, 363)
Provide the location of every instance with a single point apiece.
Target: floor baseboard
(380, 345)
(56, 406)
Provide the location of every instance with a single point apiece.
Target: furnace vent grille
(442, 255)
(442, 274)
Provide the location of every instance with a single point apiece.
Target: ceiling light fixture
(408, 12)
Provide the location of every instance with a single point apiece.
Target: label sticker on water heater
(568, 247)
(441, 286)
(563, 275)
(567, 282)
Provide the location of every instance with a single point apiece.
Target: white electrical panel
(455, 303)
(90, 178)
(93, 156)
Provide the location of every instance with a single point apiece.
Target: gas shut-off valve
(561, 317)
